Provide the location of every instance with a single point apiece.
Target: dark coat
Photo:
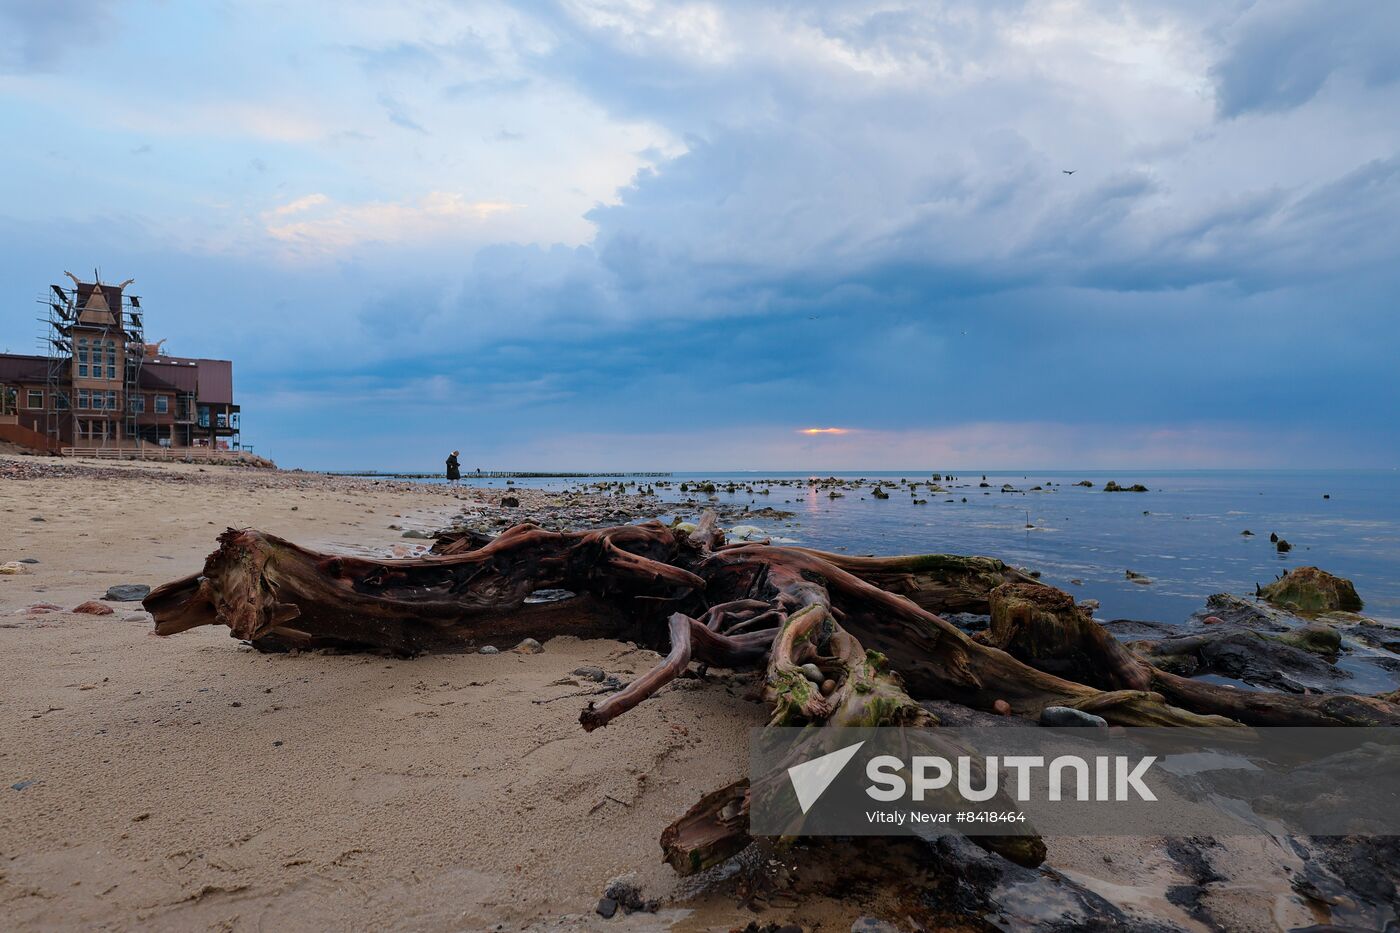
(453, 470)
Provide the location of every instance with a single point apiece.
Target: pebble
(828, 687)
(127, 592)
(595, 674)
(93, 608)
(606, 907)
(528, 646)
(420, 535)
(1062, 716)
(11, 568)
(488, 649)
(873, 925)
(1212, 620)
(812, 673)
(1001, 708)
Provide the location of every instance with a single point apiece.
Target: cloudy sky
(625, 234)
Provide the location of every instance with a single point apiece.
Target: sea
(1185, 534)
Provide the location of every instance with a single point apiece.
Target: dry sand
(192, 783)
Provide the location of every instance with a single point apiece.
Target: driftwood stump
(869, 625)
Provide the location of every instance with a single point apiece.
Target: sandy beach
(193, 783)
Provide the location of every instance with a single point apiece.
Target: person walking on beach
(454, 471)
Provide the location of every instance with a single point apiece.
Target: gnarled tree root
(865, 623)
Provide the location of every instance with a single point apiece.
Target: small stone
(420, 535)
(488, 649)
(93, 608)
(235, 704)
(277, 744)
(1001, 708)
(29, 560)
(295, 508)
(11, 568)
(38, 518)
(1212, 620)
(1068, 716)
(528, 646)
(595, 674)
(812, 673)
(1283, 546)
(1247, 533)
(127, 592)
(873, 925)
(606, 907)
(510, 502)
(828, 687)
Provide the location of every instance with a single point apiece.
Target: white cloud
(324, 226)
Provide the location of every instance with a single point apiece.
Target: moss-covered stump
(1044, 627)
(1308, 589)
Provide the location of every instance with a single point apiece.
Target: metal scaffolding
(63, 316)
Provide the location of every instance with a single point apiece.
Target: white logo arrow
(811, 778)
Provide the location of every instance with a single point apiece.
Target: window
(83, 402)
(112, 401)
(60, 401)
(138, 404)
(162, 404)
(36, 398)
(82, 357)
(222, 420)
(204, 416)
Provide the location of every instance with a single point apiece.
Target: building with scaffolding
(99, 385)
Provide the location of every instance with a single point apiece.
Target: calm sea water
(1184, 533)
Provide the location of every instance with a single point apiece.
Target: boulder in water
(1308, 589)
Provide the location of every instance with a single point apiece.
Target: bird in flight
(1069, 171)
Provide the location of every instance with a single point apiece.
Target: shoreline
(190, 782)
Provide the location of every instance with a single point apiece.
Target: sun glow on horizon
(825, 431)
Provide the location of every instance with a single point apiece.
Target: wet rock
(528, 646)
(595, 674)
(1069, 717)
(1282, 546)
(746, 533)
(549, 596)
(419, 535)
(510, 502)
(93, 608)
(1308, 589)
(127, 592)
(488, 649)
(628, 896)
(1315, 637)
(1254, 657)
(1138, 578)
(1112, 486)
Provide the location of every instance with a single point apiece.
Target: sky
(618, 234)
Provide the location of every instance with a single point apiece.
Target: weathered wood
(864, 622)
